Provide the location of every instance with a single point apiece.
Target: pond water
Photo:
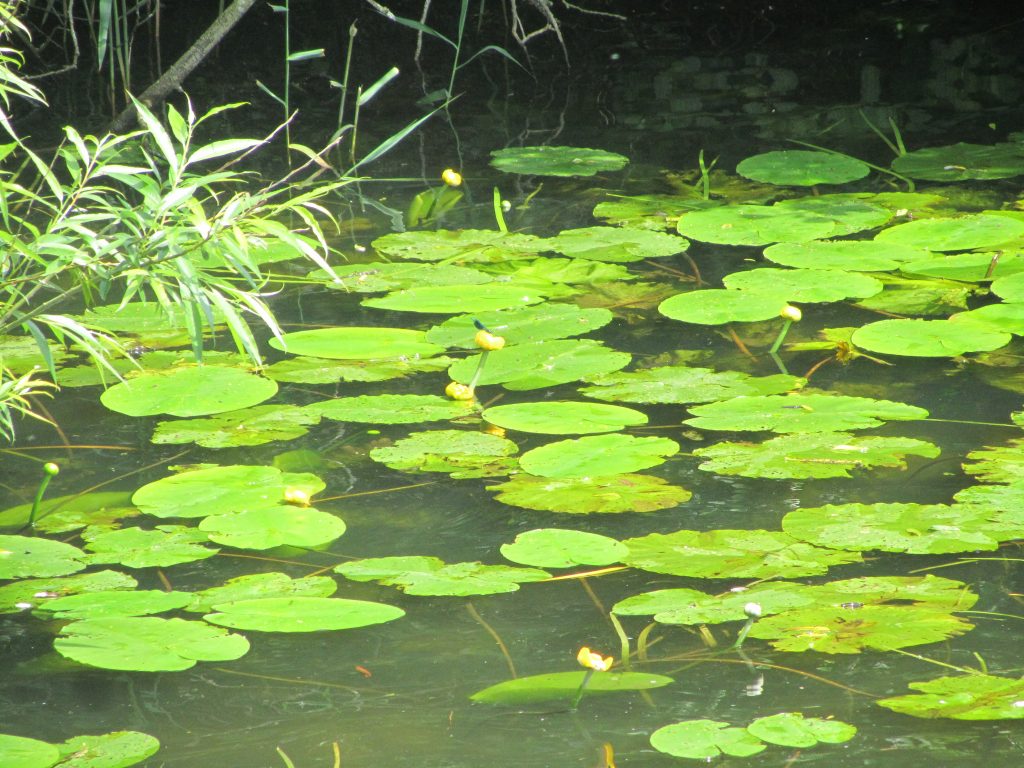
(398, 693)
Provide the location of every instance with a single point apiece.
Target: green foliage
(301, 614)
(562, 686)
(962, 697)
(583, 495)
(563, 417)
(417, 575)
(188, 391)
(802, 412)
(562, 548)
(556, 161)
(597, 455)
(705, 739)
(802, 168)
(928, 338)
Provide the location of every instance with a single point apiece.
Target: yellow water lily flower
(789, 312)
(488, 341)
(451, 177)
(594, 661)
(296, 496)
(457, 391)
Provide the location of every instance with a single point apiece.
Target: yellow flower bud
(451, 177)
(457, 391)
(789, 312)
(488, 341)
(594, 661)
(296, 496)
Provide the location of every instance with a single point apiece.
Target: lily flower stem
(38, 500)
(479, 369)
(782, 336)
(579, 692)
(744, 631)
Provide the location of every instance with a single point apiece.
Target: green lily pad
(804, 168)
(62, 514)
(927, 338)
(301, 614)
(217, 490)
(21, 752)
(962, 697)
(968, 267)
(918, 296)
(802, 412)
(563, 417)
(269, 527)
(854, 629)
(597, 455)
(33, 593)
(792, 729)
(21, 353)
(521, 326)
(562, 548)
(382, 276)
(249, 426)
(852, 255)
(976, 230)
(716, 306)
(704, 740)
(736, 554)
(682, 384)
(1009, 288)
(465, 245)
(849, 213)
(147, 643)
(444, 450)
(913, 528)
(660, 212)
(137, 548)
(416, 575)
(1008, 318)
(122, 602)
(755, 225)
(109, 750)
(998, 463)
(556, 161)
(540, 365)
(690, 606)
(585, 495)
(615, 244)
(804, 285)
(828, 454)
(962, 161)
(136, 317)
(562, 686)
(451, 299)
(188, 391)
(317, 370)
(28, 556)
(357, 343)
(391, 409)
(555, 270)
(259, 585)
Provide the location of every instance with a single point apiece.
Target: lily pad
(147, 643)
(28, 556)
(1009, 288)
(1002, 317)
(556, 161)
(188, 391)
(249, 426)
(828, 454)
(137, 548)
(555, 270)
(452, 299)
(736, 554)
(927, 338)
(391, 409)
(357, 343)
(997, 463)
(585, 495)
(976, 230)
(21, 752)
(683, 384)
(301, 614)
(849, 213)
(705, 739)
(802, 168)
(968, 267)
(913, 528)
(903, 296)
(318, 370)
(962, 161)
(62, 514)
(562, 686)
(562, 548)
(659, 212)
(259, 585)
(541, 364)
(755, 225)
(716, 306)
(805, 285)
(801, 412)
(521, 326)
(854, 629)
(690, 606)
(33, 593)
(563, 417)
(852, 255)
(444, 450)
(615, 244)
(122, 602)
(382, 276)
(792, 729)
(417, 575)
(269, 527)
(962, 697)
(465, 245)
(109, 750)
(216, 490)
(597, 455)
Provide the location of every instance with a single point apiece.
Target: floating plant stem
(499, 212)
(579, 691)
(753, 611)
(594, 662)
(789, 315)
(49, 470)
